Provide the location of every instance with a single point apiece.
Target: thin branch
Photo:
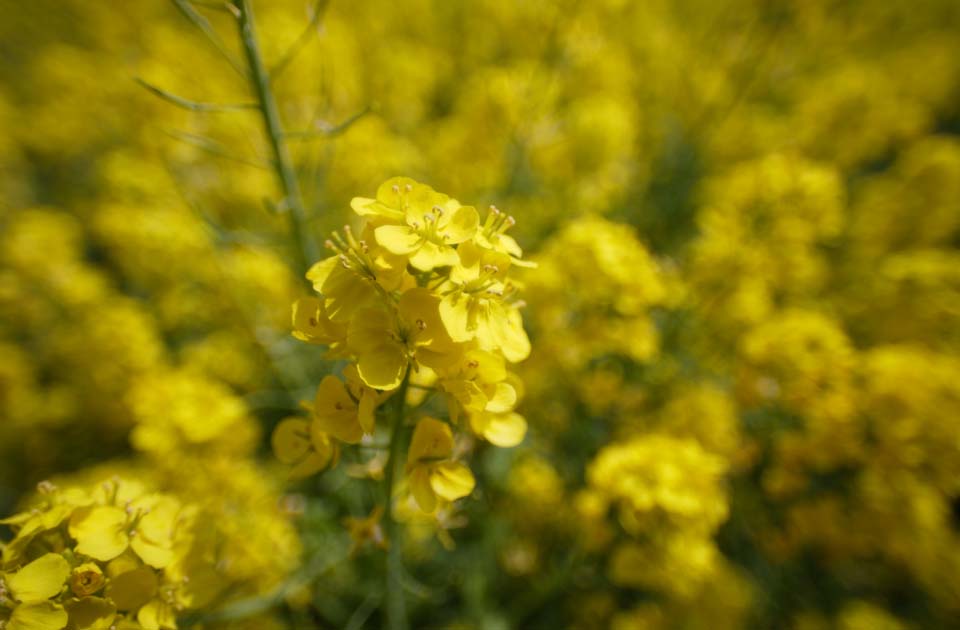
(358, 619)
(326, 130)
(193, 106)
(207, 29)
(305, 248)
(302, 40)
(214, 148)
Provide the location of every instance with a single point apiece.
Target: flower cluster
(746, 303)
(668, 497)
(115, 556)
(421, 296)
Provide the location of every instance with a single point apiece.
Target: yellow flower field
(484, 315)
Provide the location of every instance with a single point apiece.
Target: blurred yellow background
(744, 390)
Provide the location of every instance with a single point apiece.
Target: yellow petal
(505, 430)
(461, 226)
(41, 579)
(467, 393)
(156, 554)
(516, 344)
(430, 255)
(503, 399)
(320, 271)
(508, 244)
(397, 239)
(421, 489)
(160, 520)
(419, 309)
(443, 359)
(455, 315)
(126, 561)
(500, 326)
(100, 531)
(392, 192)
(335, 412)
(311, 324)
(90, 613)
(291, 440)
(383, 367)
(345, 292)
(323, 446)
(370, 328)
(202, 585)
(37, 616)
(452, 480)
(431, 440)
(372, 208)
(309, 465)
(132, 589)
(470, 255)
(422, 201)
(367, 412)
(157, 615)
(486, 366)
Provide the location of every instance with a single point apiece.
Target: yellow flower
(385, 341)
(491, 236)
(346, 411)
(476, 383)
(156, 519)
(146, 526)
(343, 291)
(431, 472)
(476, 306)
(312, 324)
(307, 451)
(354, 278)
(101, 531)
(418, 222)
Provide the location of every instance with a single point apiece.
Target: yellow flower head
(346, 410)
(306, 450)
(418, 222)
(386, 340)
(431, 471)
(477, 304)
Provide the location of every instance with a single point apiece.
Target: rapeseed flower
(432, 472)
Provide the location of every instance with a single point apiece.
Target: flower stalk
(305, 249)
(395, 606)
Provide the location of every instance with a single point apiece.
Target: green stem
(395, 605)
(305, 250)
